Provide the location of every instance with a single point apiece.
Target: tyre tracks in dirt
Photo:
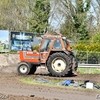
(17, 90)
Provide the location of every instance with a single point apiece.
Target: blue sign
(21, 41)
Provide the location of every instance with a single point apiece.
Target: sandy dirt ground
(17, 90)
(9, 59)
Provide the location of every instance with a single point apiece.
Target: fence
(88, 57)
(89, 68)
(87, 61)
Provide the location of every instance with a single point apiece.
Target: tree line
(24, 15)
(79, 20)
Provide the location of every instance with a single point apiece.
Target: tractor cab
(52, 43)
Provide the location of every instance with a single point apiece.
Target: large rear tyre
(58, 64)
(74, 64)
(24, 68)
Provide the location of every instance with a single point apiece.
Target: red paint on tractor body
(30, 56)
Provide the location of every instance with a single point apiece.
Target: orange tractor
(54, 52)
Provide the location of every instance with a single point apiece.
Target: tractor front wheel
(23, 68)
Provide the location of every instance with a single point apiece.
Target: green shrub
(91, 47)
(94, 47)
(36, 47)
(80, 47)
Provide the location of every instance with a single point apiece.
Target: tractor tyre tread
(74, 63)
(68, 64)
(28, 68)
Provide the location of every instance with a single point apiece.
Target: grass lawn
(89, 70)
(29, 80)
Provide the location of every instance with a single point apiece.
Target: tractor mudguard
(25, 62)
(38, 63)
(66, 52)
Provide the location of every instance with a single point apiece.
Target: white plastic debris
(89, 85)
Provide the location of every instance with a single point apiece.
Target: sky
(55, 22)
(4, 34)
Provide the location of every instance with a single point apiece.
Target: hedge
(93, 58)
(36, 47)
(91, 47)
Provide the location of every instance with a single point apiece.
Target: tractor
(54, 52)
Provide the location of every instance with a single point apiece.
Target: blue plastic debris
(67, 82)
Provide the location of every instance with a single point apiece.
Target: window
(57, 44)
(46, 45)
(65, 44)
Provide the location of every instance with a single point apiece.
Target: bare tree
(14, 14)
(96, 7)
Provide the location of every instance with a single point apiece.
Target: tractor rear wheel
(58, 64)
(24, 68)
(74, 64)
